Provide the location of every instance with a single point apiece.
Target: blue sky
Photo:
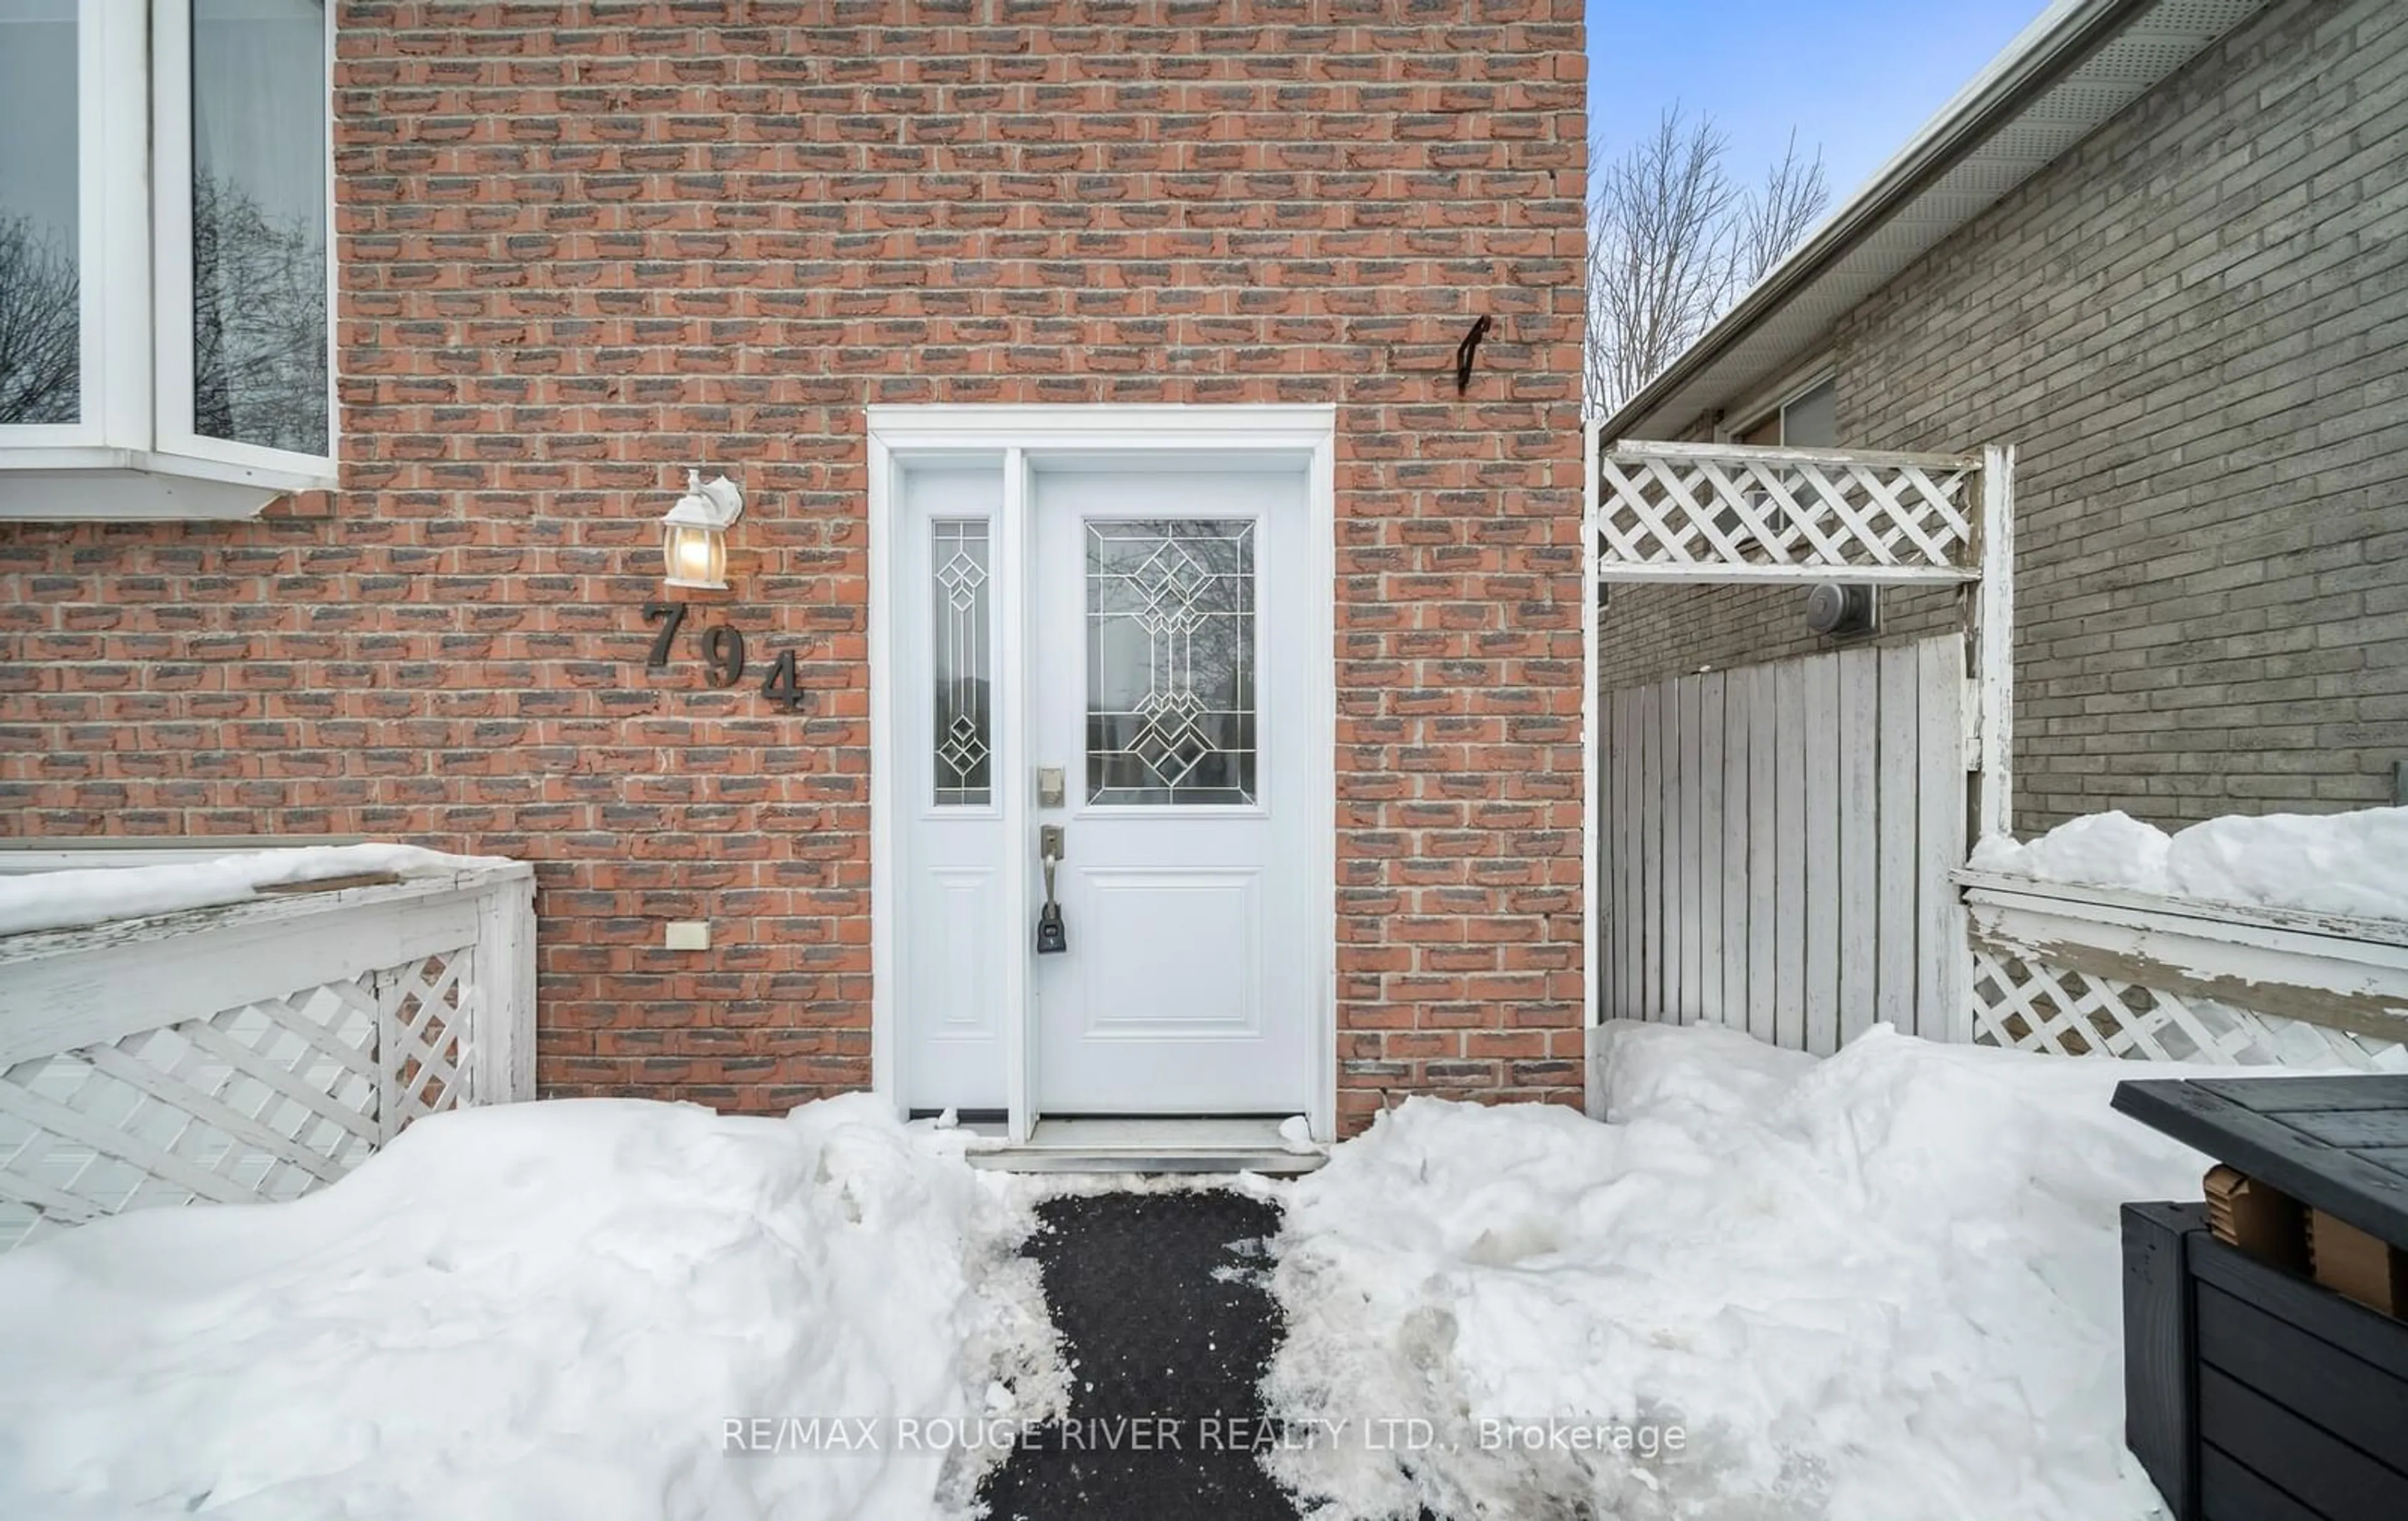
(1856, 76)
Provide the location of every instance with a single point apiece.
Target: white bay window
(165, 279)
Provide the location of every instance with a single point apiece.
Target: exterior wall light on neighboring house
(1836, 609)
(694, 540)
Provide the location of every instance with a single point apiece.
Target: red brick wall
(576, 259)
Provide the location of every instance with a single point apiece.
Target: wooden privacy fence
(1778, 844)
(1856, 764)
(256, 1051)
(2099, 972)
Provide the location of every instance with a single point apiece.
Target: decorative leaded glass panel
(1170, 661)
(963, 742)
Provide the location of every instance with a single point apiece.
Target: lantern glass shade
(694, 555)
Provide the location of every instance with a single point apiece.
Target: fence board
(1859, 673)
(1790, 848)
(1685, 780)
(1607, 899)
(1711, 831)
(1623, 864)
(1734, 848)
(1894, 787)
(1763, 849)
(1668, 793)
(1642, 899)
(1651, 849)
(1823, 926)
(1940, 840)
(1782, 843)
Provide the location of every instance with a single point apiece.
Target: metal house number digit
(723, 649)
(722, 656)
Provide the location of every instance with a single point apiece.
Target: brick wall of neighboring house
(576, 259)
(2195, 328)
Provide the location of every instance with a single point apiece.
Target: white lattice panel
(262, 1101)
(2030, 1005)
(421, 1051)
(1676, 510)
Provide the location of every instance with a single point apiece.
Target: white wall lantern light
(694, 539)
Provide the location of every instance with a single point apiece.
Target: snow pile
(2340, 862)
(539, 1309)
(2331, 863)
(95, 895)
(2099, 849)
(1882, 1286)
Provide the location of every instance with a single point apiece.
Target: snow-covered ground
(536, 1311)
(1881, 1286)
(2331, 863)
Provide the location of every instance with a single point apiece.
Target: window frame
(171, 220)
(930, 520)
(1772, 404)
(106, 37)
(133, 453)
(1775, 400)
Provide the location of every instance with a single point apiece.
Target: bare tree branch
(41, 357)
(259, 324)
(1673, 241)
(1777, 215)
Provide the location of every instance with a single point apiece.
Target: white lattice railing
(2090, 971)
(256, 1051)
(1729, 512)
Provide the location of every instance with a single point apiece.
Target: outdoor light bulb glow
(695, 557)
(694, 542)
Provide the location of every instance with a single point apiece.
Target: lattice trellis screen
(262, 1102)
(236, 1055)
(2029, 1005)
(2093, 971)
(1729, 512)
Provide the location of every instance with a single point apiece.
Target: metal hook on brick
(1464, 352)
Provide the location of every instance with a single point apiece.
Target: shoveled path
(1152, 1333)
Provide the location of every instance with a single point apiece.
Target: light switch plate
(689, 935)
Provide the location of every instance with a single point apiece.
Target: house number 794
(722, 656)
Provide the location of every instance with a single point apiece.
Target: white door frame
(898, 434)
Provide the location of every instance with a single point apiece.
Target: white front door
(1138, 600)
(1168, 672)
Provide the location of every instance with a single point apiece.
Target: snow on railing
(255, 1050)
(2082, 970)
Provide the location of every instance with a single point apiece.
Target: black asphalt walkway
(1158, 1298)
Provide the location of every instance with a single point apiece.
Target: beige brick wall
(2195, 329)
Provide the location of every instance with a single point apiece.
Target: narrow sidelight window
(965, 742)
(259, 222)
(41, 330)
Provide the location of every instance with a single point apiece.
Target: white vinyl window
(1808, 418)
(1801, 413)
(164, 273)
